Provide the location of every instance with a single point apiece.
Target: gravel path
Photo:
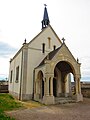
(72, 111)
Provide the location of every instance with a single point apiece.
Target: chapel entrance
(62, 79)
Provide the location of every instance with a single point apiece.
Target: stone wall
(4, 89)
(85, 88)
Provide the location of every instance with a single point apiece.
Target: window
(17, 74)
(11, 76)
(49, 42)
(43, 48)
(54, 47)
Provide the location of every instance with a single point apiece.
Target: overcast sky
(20, 19)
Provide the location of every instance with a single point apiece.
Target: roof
(53, 53)
(45, 17)
(50, 55)
(35, 38)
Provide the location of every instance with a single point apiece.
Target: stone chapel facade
(41, 69)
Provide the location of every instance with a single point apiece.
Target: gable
(43, 36)
(64, 52)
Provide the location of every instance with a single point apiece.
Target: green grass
(7, 102)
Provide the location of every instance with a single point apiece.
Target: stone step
(63, 100)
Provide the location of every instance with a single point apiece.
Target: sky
(20, 19)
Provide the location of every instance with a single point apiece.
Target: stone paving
(69, 111)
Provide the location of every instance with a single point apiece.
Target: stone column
(23, 82)
(79, 85)
(48, 97)
(76, 85)
(78, 95)
(47, 86)
(51, 86)
(44, 79)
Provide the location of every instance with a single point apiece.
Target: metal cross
(63, 39)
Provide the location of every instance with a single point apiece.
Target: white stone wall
(34, 58)
(35, 55)
(13, 86)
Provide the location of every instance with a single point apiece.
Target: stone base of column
(36, 97)
(48, 100)
(78, 97)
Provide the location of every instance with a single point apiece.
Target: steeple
(45, 21)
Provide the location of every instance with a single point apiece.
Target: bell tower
(45, 21)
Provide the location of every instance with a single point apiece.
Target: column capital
(77, 77)
(49, 75)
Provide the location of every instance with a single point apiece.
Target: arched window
(11, 75)
(43, 48)
(54, 47)
(49, 42)
(17, 74)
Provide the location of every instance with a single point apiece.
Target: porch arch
(40, 84)
(61, 74)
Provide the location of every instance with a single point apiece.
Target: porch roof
(50, 55)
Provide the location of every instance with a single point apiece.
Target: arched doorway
(40, 84)
(62, 79)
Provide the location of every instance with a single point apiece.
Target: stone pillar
(78, 95)
(36, 94)
(48, 97)
(76, 85)
(51, 86)
(44, 79)
(79, 86)
(47, 86)
(23, 81)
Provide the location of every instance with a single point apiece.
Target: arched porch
(56, 82)
(62, 79)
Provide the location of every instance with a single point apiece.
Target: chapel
(41, 69)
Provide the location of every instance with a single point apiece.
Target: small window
(43, 48)
(11, 76)
(17, 74)
(49, 42)
(54, 47)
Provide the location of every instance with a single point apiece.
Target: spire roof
(45, 17)
(45, 21)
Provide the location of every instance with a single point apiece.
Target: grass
(7, 102)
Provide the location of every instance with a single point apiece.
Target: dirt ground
(69, 111)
